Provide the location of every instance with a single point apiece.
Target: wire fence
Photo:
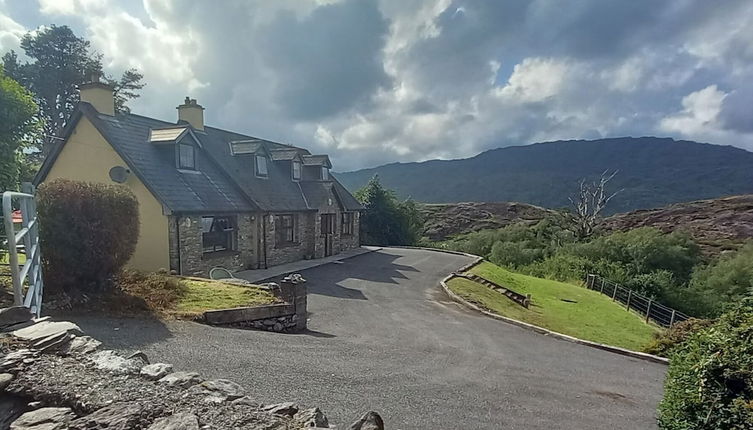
(650, 309)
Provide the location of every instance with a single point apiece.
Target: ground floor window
(217, 233)
(284, 230)
(347, 223)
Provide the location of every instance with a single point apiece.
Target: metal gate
(22, 245)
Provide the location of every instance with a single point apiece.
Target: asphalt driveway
(384, 337)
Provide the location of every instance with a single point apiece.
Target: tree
(17, 128)
(387, 221)
(60, 62)
(588, 204)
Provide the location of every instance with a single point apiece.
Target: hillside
(653, 172)
(716, 225)
(451, 219)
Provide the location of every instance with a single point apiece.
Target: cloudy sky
(377, 81)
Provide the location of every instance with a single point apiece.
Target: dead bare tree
(588, 204)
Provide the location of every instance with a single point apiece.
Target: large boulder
(81, 345)
(118, 416)
(156, 371)
(181, 379)
(369, 421)
(179, 421)
(313, 417)
(44, 419)
(288, 409)
(112, 362)
(228, 390)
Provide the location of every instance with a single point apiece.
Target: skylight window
(296, 170)
(261, 166)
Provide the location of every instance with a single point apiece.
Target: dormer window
(296, 170)
(325, 173)
(186, 157)
(261, 166)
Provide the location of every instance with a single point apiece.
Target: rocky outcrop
(444, 221)
(716, 225)
(77, 386)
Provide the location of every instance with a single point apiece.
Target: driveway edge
(546, 332)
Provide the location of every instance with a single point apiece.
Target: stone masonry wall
(351, 241)
(286, 253)
(185, 232)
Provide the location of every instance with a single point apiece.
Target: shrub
(710, 380)
(87, 231)
(666, 341)
(158, 290)
(725, 281)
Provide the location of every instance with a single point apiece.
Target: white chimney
(192, 113)
(98, 94)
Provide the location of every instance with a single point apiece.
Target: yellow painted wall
(88, 157)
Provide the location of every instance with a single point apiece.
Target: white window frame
(325, 173)
(294, 170)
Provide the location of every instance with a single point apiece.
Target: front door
(328, 230)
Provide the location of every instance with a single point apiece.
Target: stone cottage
(207, 197)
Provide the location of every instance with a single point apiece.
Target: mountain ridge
(653, 172)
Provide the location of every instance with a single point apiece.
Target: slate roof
(222, 182)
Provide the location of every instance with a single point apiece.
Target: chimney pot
(192, 113)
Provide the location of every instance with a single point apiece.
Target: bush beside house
(88, 233)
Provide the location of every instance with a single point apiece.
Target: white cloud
(535, 80)
(700, 112)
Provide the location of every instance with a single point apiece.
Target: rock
(139, 355)
(156, 371)
(14, 315)
(246, 401)
(52, 342)
(5, 380)
(179, 421)
(269, 322)
(112, 362)
(11, 408)
(313, 417)
(369, 421)
(286, 409)
(181, 379)
(277, 327)
(44, 419)
(118, 416)
(44, 329)
(13, 359)
(81, 345)
(222, 387)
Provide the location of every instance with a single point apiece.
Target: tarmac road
(384, 337)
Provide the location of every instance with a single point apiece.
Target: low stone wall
(53, 377)
(284, 317)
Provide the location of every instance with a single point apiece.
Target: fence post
(602, 286)
(627, 305)
(614, 293)
(648, 310)
(672, 319)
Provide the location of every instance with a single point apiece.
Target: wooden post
(672, 319)
(627, 305)
(602, 286)
(648, 310)
(614, 293)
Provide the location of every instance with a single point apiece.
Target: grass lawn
(187, 297)
(200, 296)
(593, 316)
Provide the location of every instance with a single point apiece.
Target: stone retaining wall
(52, 377)
(281, 317)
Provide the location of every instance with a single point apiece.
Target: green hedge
(88, 232)
(710, 380)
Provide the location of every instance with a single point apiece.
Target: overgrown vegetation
(558, 306)
(665, 267)
(88, 233)
(388, 221)
(666, 341)
(18, 127)
(710, 380)
(164, 294)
